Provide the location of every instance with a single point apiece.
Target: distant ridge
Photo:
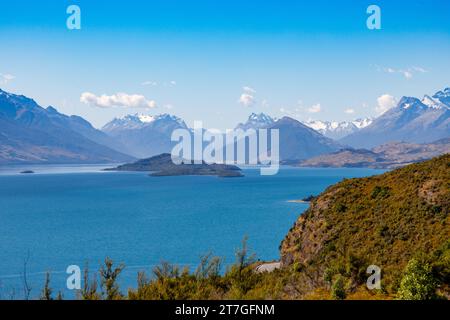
(412, 120)
(143, 135)
(32, 134)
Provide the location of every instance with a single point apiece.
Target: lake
(66, 215)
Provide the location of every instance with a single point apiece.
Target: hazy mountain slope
(298, 141)
(144, 136)
(30, 133)
(83, 127)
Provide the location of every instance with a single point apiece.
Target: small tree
(89, 290)
(418, 282)
(242, 275)
(47, 291)
(109, 277)
(338, 289)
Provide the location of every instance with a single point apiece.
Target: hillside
(383, 220)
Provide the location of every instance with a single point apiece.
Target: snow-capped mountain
(443, 96)
(412, 120)
(362, 122)
(144, 135)
(139, 121)
(256, 121)
(338, 130)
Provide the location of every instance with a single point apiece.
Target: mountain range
(30, 133)
(142, 135)
(338, 130)
(412, 120)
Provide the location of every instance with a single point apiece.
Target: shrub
(418, 282)
(109, 277)
(338, 289)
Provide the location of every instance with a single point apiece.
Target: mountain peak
(434, 103)
(256, 121)
(410, 103)
(338, 130)
(443, 93)
(260, 117)
(138, 120)
(51, 109)
(443, 97)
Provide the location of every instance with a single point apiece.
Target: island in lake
(162, 165)
(27, 172)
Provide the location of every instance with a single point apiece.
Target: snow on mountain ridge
(337, 130)
(137, 121)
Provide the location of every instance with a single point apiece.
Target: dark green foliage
(338, 289)
(380, 192)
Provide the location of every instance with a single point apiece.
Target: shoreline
(298, 201)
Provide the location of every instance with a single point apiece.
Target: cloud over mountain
(120, 99)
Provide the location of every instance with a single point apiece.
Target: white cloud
(5, 78)
(385, 102)
(419, 69)
(315, 108)
(247, 98)
(248, 89)
(149, 83)
(168, 106)
(117, 100)
(408, 73)
(349, 111)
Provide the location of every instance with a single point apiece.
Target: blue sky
(218, 61)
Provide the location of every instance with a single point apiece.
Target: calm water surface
(63, 215)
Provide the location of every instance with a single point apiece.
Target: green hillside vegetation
(384, 220)
(398, 221)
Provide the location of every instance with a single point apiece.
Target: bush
(418, 282)
(338, 289)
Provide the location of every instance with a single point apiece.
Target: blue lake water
(63, 216)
